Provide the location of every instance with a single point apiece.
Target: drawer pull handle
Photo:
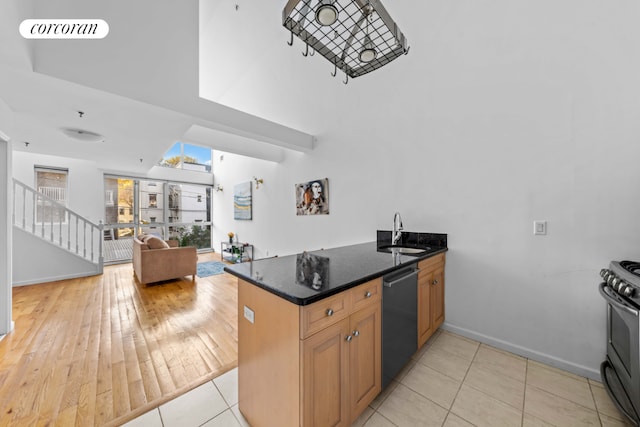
(356, 333)
(367, 294)
(348, 338)
(435, 282)
(329, 312)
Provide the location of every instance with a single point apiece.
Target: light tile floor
(452, 382)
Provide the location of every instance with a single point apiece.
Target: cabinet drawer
(430, 263)
(323, 313)
(366, 294)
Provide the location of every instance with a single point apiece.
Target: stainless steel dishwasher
(399, 320)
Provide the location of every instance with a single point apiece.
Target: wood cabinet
(430, 296)
(316, 365)
(365, 358)
(325, 362)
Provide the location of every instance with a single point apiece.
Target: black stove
(623, 277)
(620, 371)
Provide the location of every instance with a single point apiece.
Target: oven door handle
(614, 302)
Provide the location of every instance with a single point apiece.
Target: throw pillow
(156, 243)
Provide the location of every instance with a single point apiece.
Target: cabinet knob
(435, 282)
(356, 333)
(367, 294)
(329, 312)
(348, 338)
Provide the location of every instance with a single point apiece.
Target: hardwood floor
(102, 350)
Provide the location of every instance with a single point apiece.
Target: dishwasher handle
(389, 284)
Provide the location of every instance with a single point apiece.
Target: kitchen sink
(404, 249)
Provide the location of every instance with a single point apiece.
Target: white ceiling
(138, 87)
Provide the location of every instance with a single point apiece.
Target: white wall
(85, 181)
(85, 197)
(6, 235)
(53, 263)
(502, 113)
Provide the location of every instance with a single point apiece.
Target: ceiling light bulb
(327, 13)
(368, 52)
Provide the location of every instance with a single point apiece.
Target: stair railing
(44, 217)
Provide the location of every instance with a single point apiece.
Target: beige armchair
(164, 260)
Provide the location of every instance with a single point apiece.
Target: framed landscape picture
(242, 201)
(312, 197)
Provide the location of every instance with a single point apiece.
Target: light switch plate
(540, 228)
(248, 314)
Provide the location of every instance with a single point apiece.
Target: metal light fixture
(83, 135)
(258, 182)
(368, 52)
(326, 13)
(362, 38)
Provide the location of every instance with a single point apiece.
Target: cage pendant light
(326, 13)
(362, 38)
(368, 52)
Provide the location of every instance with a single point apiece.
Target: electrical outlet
(540, 228)
(249, 314)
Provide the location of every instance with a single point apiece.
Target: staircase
(39, 215)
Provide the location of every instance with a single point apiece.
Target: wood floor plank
(101, 350)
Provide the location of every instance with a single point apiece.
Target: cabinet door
(365, 357)
(325, 367)
(425, 317)
(437, 297)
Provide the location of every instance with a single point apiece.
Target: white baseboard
(55, 278)
(547, 359)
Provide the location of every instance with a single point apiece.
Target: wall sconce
(258, 182)
(218, 188)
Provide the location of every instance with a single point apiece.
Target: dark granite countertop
(311, 276)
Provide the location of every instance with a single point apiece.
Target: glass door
(120, 219)
(151, 207)
(190, 214)
(168, 210)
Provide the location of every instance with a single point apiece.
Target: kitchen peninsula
(310, 329)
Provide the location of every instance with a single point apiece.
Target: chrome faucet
(397, 228)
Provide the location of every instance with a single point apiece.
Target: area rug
(210, 268)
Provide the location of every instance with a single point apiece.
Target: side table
(236, 252)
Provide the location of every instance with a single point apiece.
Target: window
(199, 198)
(121, 211)
(153, 200)
(51, 184)
(188, 157)
(153, 219)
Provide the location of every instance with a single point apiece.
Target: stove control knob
(610, 279)
(629, 291)
(616, 283)
(604, 272)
